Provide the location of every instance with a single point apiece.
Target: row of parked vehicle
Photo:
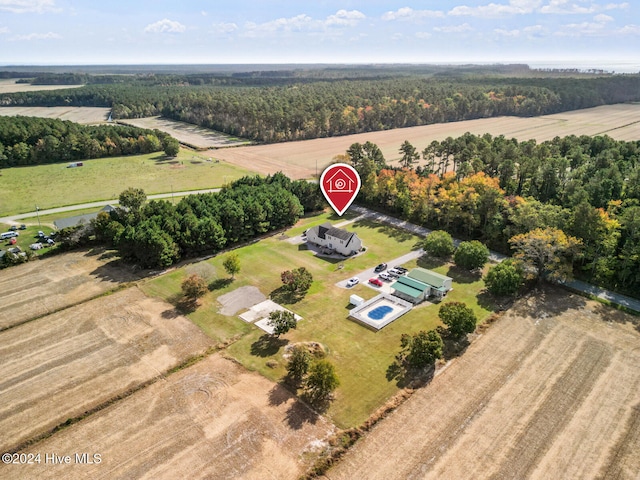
(387, 276)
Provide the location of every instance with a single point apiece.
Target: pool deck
(360, 313)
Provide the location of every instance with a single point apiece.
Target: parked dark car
(400, 269)
(23, 227)
(380, 268)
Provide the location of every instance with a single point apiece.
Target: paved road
(618, 299)
(413, 228)
(12, 218)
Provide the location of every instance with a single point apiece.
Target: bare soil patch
(44, 286)
(300, 159)
(62, 365)
(211, 420)
(84, 115)
(552, 390)
(187, 133)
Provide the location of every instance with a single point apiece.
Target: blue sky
(241, 31)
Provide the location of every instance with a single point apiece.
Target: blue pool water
(380, 312)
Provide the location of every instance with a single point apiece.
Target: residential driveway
(369, 273)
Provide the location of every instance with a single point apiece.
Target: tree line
(158, 233)
(294, 107)
(493, 189)
(36, 141)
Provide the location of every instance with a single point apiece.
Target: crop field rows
(304, 158)
(83, 115)
(116, 366)
(551, 391)
(186, 133)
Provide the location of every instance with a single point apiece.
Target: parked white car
(35, 246)
(352, 282)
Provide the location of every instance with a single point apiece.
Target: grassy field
(50, 186)
(361, 356)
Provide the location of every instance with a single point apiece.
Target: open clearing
(55, 185)
(552, 390)
(300, 159)
(37, 288)
(187, 133)
(211, 420)
(84, 115)
(9, 85)
(64, 364)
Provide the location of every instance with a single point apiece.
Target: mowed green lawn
(361, 356)
(49, 186)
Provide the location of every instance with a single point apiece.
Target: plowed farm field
(84, 115)
(127, 387)
(187, 133)
(303, 159)
(552, 390)
(38, 288)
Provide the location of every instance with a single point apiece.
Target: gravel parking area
(239, 299)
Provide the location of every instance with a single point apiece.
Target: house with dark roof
(335, 239)
(80, 219)
(420, 284)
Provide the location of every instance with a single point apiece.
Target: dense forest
(35, 141)
(282, 106)
(157, 234)
(491, 189)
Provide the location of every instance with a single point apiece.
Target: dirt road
(551, 391)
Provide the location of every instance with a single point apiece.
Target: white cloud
(225, 27)
(507, 33)
(165, 26)
(28, 6)
(514, 7)
(297, 23)
(408, 13)
(602, 18)
(465, 27)
(345, 18)
(4, 30)
(304, 23)
(534, 30)
(598, 27)
(37, 36)
(567, 7)
(629, 30)
(423, 35)
(204, 13)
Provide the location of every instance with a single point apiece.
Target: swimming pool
(380, 312)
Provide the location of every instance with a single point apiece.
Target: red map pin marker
(340, 184)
